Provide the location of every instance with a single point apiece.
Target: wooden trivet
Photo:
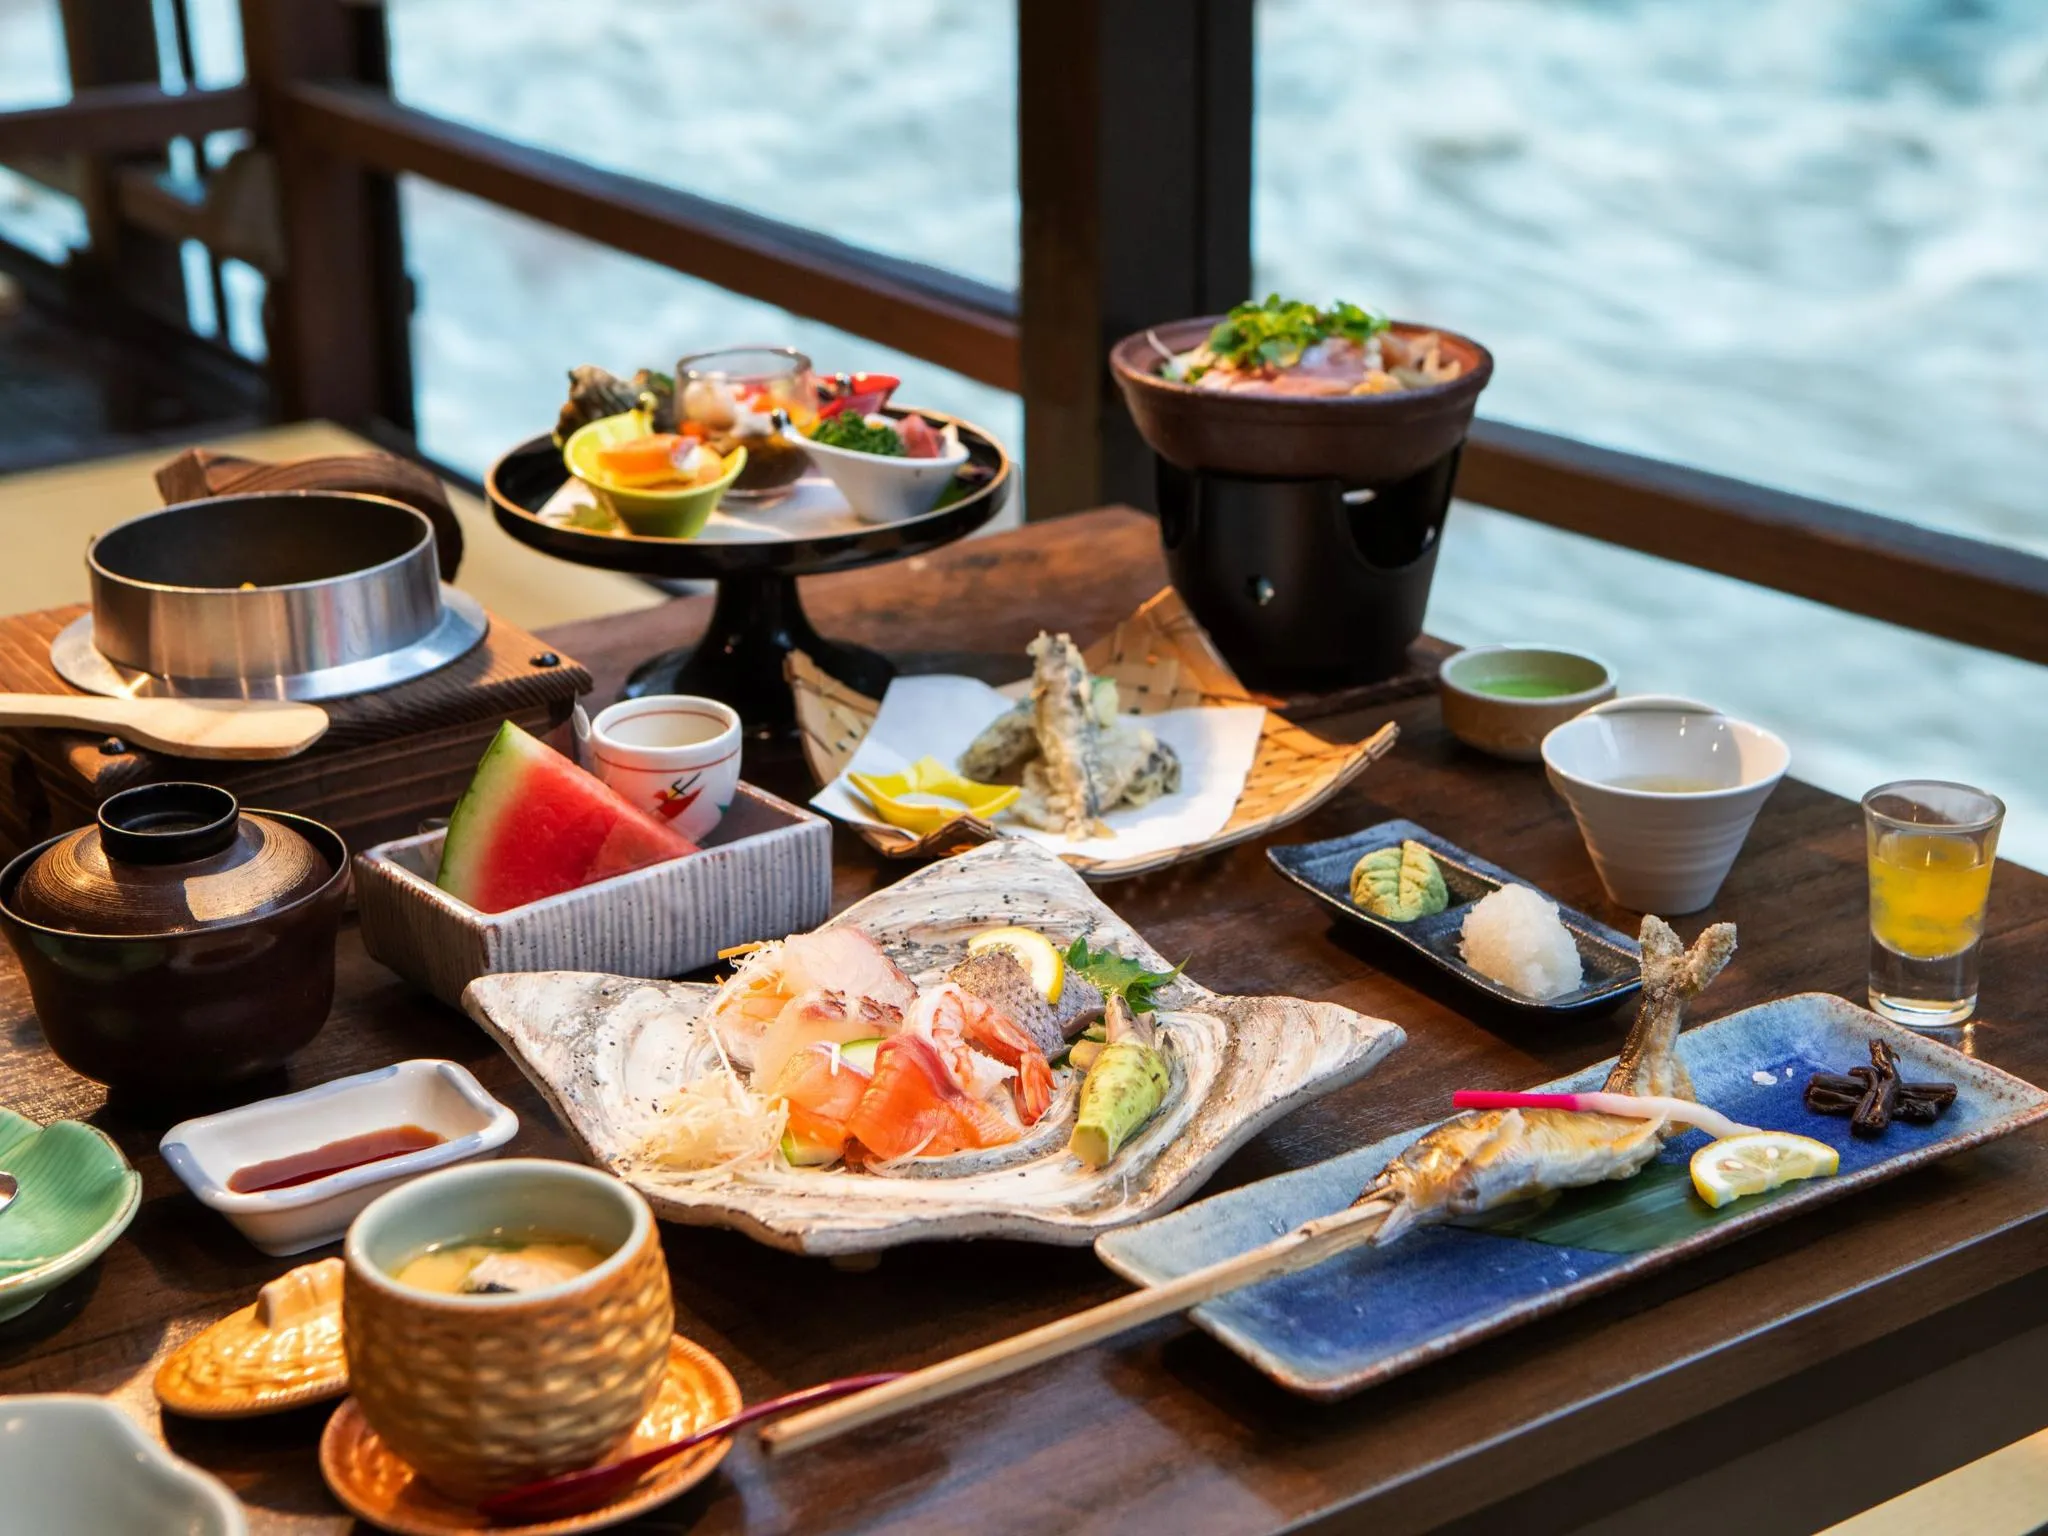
(388, 760)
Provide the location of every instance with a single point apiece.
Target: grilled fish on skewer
(1483, 1159)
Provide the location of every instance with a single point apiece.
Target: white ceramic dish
(437, 1095)
(882, 488)
(1665, 791)
(72, 1465)
(766, 870)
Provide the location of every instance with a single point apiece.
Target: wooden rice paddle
(214, 728)
(1307, 1245)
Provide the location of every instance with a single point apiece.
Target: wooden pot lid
(168, 858)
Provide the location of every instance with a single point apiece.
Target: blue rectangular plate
(1613, 962)
(1373, 1313)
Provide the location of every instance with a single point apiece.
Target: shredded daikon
(714, 1125)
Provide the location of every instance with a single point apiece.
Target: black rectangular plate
(1612, 961)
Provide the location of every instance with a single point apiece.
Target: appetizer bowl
(1504, 699)
(1363, 439)
(886, 488)
(438, 1097)
(1665, 791)
(653, 514)
(483, 1392)
(77, 1195)
(180, 943)
(74, 1465)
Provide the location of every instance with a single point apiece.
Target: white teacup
(673, 755)
(1665, 791)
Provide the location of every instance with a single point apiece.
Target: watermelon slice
(533, 824)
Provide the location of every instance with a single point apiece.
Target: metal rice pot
(1310, 582)
(286, 594)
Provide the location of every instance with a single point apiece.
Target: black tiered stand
(758, 618)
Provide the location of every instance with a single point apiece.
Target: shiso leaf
(1115, 974)
(1399, 884)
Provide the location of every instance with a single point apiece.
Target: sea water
(1797, 243)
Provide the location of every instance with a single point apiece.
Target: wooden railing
(1135, 175)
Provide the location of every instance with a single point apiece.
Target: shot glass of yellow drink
(1931, 847)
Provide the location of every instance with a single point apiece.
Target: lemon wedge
(1039, 956)
(1756, 1161)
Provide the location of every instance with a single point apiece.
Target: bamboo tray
(1161, 659)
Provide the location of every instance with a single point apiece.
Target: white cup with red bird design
(672, 755)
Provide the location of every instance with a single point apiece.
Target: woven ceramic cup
(483, 1393)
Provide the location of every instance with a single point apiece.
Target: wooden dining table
(1560, 1422)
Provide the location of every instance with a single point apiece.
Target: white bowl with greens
(887, 468)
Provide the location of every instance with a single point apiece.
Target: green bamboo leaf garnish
(1655, 1208)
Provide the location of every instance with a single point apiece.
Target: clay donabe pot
(1301, 531)
(179, 943)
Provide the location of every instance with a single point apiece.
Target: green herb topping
(846, 430)
(1113, 975)
(1275, 334)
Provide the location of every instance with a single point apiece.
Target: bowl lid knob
(168, 823)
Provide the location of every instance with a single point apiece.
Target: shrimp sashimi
(965, 1028)
(842, 960)
(912, 1106)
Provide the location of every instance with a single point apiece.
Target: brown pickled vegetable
(1873, 1096)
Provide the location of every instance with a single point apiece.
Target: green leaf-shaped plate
(78, 1194)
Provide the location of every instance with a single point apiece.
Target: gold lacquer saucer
(375, 1485)
(281, 1351)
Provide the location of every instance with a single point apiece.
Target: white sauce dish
(434, 1096)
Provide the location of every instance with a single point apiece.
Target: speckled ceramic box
(765, 871)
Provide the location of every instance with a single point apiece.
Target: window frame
(1135, 170)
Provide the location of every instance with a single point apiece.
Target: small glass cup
(734, 394)
(1931, 846)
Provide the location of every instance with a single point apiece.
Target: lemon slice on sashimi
(1039, 956)
(1757, 1161)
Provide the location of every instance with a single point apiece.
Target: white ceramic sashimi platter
(605, 1050)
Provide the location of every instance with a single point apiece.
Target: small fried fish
(1069, 771)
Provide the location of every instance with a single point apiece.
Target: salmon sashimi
(913, 1106)
(821, 1093)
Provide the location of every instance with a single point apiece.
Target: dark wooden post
(1134, 170)
(114, 42)
(337, 313)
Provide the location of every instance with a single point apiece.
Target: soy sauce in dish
(335, 1157)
